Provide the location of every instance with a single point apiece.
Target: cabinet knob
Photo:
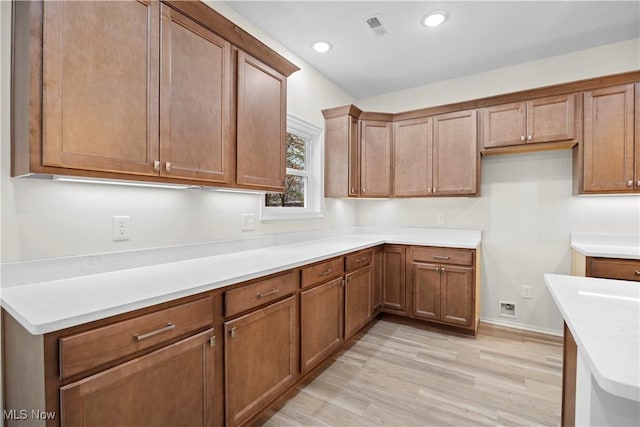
(638, 183)
(629, 183)
(232, 332)
(156, 165)
(529, 137)
(364, 190)
(521, 138)
(353, 190)
(441, 269)
(167, 166)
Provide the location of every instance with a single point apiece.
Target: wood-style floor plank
(396, 374)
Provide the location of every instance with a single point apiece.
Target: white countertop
(604, 318)
(606, 246)
(54, 305)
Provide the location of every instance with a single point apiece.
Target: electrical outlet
(248, 222)
(526, 292)
(507, 309)
(120, 228)
(440, 219)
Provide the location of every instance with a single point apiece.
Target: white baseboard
(522, 327)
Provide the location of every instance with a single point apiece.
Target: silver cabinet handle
(212, 342)
(232, 332)
(637, 273)
(521, 138)
(140, 337)
(529, 137)
(156, 165)
(429, 190)
(638, 183)
(629, 183)
(441, 269)
(167, 166)
(434, 189)
(266, 294)
(359, 260)
(353, 190)
(440, 257)
(324, 273)
(363, 190)
(342, 283)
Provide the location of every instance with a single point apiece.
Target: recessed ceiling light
(321, 46)
(435, 18)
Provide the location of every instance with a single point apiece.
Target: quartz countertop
(603, 316)
(607, 246)
(49, 306)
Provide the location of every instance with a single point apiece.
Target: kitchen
(526, 210)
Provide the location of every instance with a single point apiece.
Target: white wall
(526, 211)
(42, 219)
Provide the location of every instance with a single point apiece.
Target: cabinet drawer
(359, 260)
(443, 255)
(322, 272)
(259, 293)
(88, 350)
(608, 268)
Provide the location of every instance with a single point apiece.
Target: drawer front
(322, 272)
(91, 349)
(608, 268)
(359, 260)
(443, 255)
(260, 293)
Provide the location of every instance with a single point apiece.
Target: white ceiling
(478, 36)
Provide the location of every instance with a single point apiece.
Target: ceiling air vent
(377, 25)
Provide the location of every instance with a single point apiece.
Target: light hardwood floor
(396, 374)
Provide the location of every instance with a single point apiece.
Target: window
(301, 198)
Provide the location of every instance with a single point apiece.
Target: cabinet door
(375, 158)
(551, 119)
(608, 139)
(504, 125)
(261, 358)
(377, 279)
(354, 158)
(412, 157)
(455, 154)
(394, 289)
(342, 154)
(261, 125)
(426, 290)
(100, 94)
(171, 386)
(194, 110)
(321, 322)
(637, 136)
(457, 297)
(357, 301)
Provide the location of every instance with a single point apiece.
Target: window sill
(284, 216)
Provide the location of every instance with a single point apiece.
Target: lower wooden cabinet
(321, 322)
(170, 386)
(261, 358)
(357, 297)
(613, 268)
(394, 297)
(377, 279)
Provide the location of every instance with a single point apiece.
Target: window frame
(313, 136)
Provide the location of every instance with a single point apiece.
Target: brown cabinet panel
(413, 157)
(569, 364)
(171, 386)
(551, 119)
(261, 125)
(637, 136)
(443, 255)
(456, 305)
(259, 293)
(426, 291)
(357, 301)
(613, 268)
(342, 156)
(354, 157)
(195, 78)
(394, 290)
(322, 272)
(321, 322)
(377, 279)
(455, 154)
(91, 349)
(375, 157)
(504, 125)
(261, 358)
(358, 259)
(608, 139)
(100, 86)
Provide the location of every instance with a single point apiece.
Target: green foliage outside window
(294, 184)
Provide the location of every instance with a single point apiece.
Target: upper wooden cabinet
(195, 89)
(375, 158)
(261, 126)
(605, 159)
(100, 86)
(455, 154)
(550, 119)
(413, 157)
(342, 153)
(143, 90)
